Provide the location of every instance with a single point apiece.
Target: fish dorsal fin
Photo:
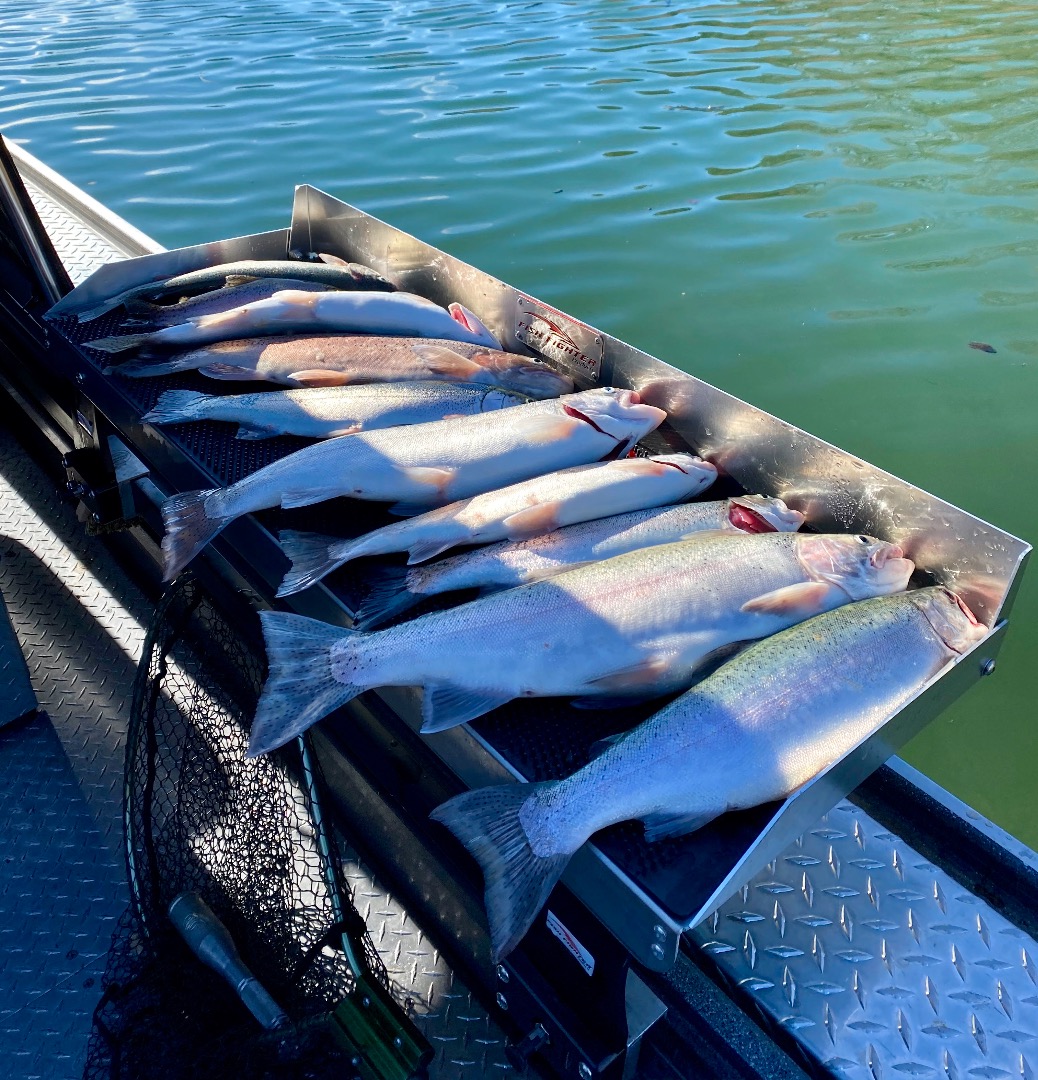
(444, 361)
(331, 260)
(319, 377)
(802, 600)
(445, 705)
(660, 826)
(533, 521)
(231, 373)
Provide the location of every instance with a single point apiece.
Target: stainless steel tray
(647, 895)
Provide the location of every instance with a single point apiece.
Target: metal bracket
(571, 990)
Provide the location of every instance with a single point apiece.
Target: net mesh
(244, 834)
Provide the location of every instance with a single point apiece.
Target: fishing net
(247, 837)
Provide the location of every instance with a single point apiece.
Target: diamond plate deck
(82, 251)
(877, 962)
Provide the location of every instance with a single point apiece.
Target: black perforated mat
(544, 739)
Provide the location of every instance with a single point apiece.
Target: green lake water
(815, 206)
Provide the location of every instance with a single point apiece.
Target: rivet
(657, 950)
(987, 667)
(660, 932)
(502, 973)
(502, 1001)
(584, 1071)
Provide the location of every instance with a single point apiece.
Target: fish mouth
(883, 555)
(749, 521)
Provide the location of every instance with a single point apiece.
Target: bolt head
(502, 973)
(987, 667)
(584, 1071)
(502, 1001)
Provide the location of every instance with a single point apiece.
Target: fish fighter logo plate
(570, 943)
(575, 345)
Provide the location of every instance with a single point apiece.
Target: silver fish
(322, 412)
(143, 314)
(639, 623)
(346, 359)
(293, 311)
(529, 508)
(757, 729)
(331, 271)
(419, 467)
(394, 589)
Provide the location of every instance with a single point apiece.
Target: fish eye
(863, 538)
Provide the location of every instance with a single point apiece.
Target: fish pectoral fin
(430, 475)
(320, 377)
(640, 676)
(796, 601)
(251, 431)
(708, 534)
(533, 521)
(231, 372)
(660, 826)
(444, 361)
(549, 429)
(445, 705)
(331, 260)
(351, 430)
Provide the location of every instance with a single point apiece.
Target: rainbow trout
(322, 412)
(757, 729)
(637, 624)
(331, 271)
(394, 589)
(294, 311)
(528, 508)
(346, 359)
(421, 466)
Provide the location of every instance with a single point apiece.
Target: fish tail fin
(188, 529)
(119, 343)
(313, 556)
(89, 314)
(302, 686)
(177, 405)
(518, 881)
(387, 596)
